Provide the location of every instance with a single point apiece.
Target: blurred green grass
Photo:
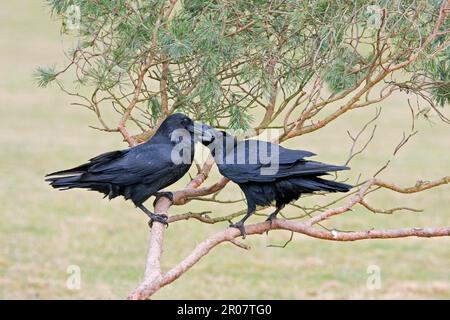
(43, 231)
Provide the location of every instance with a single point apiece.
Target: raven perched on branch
(267, 172)
(139, 172)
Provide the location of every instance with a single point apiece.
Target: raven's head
(178, 123)
(218, 142)
(214, 135)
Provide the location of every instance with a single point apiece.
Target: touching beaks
(202, 131)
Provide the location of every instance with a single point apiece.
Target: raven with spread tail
(139, 172)
(268, 173)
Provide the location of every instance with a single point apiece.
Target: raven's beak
(202, 132)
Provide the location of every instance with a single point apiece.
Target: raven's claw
(161, 218)
(270, 219)
(240, 226)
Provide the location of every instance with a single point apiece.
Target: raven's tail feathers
(69, 182)
(311, 184)
(332, 186)
(86, 176)
(65, 183)
(77, 170)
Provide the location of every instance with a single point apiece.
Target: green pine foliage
(440, 72)
(44, 75)
(225, 56)
(340, 75)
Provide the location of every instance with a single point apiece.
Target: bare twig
(352, 152)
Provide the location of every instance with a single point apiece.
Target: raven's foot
(165, 194)
(161, 218)
(240, 226)
(269, 219)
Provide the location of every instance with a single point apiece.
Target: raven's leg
(165, 194)
(161, 218)
(273, 215)
(240, 224)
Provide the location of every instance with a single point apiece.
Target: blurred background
(43, 232)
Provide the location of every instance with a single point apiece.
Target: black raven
(139, 172)
(267, 172)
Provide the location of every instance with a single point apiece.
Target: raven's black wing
(267, 162)
(142, 164)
